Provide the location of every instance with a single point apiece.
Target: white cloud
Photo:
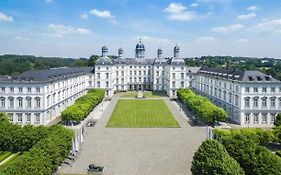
(178, 12)
(101, 13)
(60, 30)
(246, 16)
(21, 38)
(226, 29)
(207, 39)
(49, 1)
(194, 4)
(252, 8)
(273, 26)
(242, 40)
(84, 16)
(5, 18)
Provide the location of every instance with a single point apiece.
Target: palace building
(250, 98)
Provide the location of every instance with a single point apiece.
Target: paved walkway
(139, 151)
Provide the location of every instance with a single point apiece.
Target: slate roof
(48, 74)
(237, 74)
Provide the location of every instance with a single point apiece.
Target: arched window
(3, 102)
(38, 102)
(28, 102)
(20, 102)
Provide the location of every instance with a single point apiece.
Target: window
(182, 84)
(230, 98)
(19, 116)
(236, 88)
(182, 75)
(236, 100)
(272, 102)
(107, 75)
(174, 75)
(37, 117)
(280, 103)
(139, 72)
(107, 84)
(157, 73)
(29, 89)
(98, 75)
(11, 102)
(28, 100)
(272, 118)
(247, 118)
(37, 102)
(98, 84)
(264, 89)
(122, 72)
(255, 103)
(224, 95)
(272, 89)
(255, 89)
(20, 89)
(2, 102)
(247, 102)
(20, 102)
(173, 84)
(38, 90)
(264, 118)
(28, 117)
(264, 102)
(247, 89)
(256, 118)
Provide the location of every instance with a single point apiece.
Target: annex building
(250, 98)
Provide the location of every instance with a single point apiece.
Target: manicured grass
(4, 155)
(15, 156)
(147, 94)
(142, 114)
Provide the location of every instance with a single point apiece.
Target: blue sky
(78, 28)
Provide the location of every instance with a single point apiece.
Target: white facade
(250, 98)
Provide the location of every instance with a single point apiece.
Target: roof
(237, 74)
(133, 61)
(49, 74)
(104, 61)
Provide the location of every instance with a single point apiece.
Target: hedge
(257, 135)
(83, 106)
(211, 158)
(43, 148)
(253, 158)
(201, 106)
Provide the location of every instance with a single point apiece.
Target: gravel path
(139, 151)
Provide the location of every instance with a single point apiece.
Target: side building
(250, 98)
(38, 97)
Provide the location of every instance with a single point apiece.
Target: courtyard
(139, 150)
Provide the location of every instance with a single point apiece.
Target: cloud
(49, 1)
(5, 18)
(226, 29)
(194, 4)
(21, 38)
(273, 26)
(151, 39)
(246, 16)
(84, 16)
(59, 30)
(101, 13)
(252, 8)
(178, 12)
(242, 40)
(207, 39)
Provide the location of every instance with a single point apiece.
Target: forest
(15, 64)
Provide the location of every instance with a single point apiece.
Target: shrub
(212, 158)
(83, 105)
(254, 159)
(201, 106)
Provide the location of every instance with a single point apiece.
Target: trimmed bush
(83, 106)
(277, 121)
(212, 159)
(201, 106)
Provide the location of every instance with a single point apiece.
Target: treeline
(43, 148)
(201, 106)
(83, 106)
(269, 66)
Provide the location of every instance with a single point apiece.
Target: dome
(103, 61)
(140, 45)
(120, 51)
(104, 48)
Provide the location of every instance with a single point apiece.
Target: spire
(120, 52)
(159, 53)
(104, 51)
(176, 51)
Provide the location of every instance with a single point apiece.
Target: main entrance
(139, 87)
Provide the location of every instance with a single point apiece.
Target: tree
(92, 60)
(211, 158)
(277, 121)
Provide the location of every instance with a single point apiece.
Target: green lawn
(147, 94)
(142, 114)
(130, 94)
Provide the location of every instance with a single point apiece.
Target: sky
(79, 28)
